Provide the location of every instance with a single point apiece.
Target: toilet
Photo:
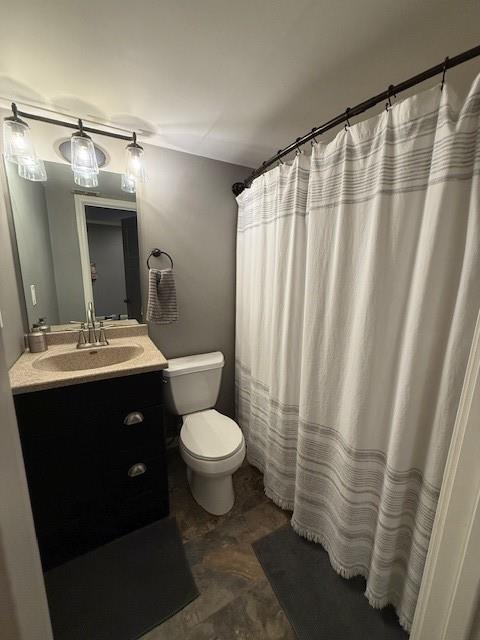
(211, 444)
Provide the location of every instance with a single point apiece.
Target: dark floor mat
(123, 589)
(320, 604)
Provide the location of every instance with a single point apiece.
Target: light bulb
(17, 143)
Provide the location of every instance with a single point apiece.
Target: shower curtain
(358, 287)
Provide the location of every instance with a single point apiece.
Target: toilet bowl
(211, 444)
(213, 448)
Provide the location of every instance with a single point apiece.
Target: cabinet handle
(133, 418)
(137, 469)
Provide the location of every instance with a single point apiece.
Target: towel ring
(156, 253)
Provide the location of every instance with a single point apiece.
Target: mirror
(76, 246)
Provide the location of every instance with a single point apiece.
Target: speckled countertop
(25, 377)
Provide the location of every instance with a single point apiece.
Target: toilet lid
(210, 435)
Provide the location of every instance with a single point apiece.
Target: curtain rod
(350, 112)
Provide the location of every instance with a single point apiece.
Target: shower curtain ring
(445, 65)
(314, 138)
(298, 150)
(390, 93)
(347, 111)
(280, 161)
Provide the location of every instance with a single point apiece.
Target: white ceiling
(227, 80)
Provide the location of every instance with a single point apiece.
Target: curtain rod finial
(237, 188)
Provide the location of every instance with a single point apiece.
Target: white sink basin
(82, 359)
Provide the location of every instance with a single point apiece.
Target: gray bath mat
(320, 604)
(123, 589)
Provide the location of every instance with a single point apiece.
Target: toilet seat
(210, 435)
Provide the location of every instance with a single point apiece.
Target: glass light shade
(83, 156)
(135, 169)
(17, 143)
(128, 184)
(32, 170)
(85, 179)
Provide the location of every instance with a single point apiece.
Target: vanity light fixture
(135, 169)
(18, 148)
(84, 160)
(17, 143)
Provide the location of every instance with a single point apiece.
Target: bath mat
(122, 589)
(320, 604)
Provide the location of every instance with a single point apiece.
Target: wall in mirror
(75, 246)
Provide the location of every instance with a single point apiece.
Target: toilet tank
(193, 382)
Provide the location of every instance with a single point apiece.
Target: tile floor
(236, 600)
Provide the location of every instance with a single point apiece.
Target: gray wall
(187, 208)
(105, 245)
(33, 240)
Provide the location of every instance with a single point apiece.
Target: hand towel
(162, 296)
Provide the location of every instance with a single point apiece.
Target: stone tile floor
(236, 600)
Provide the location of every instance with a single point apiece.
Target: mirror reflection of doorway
(114, 264)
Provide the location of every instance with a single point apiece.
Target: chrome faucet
(87, 341)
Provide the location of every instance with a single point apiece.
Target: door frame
(82, 201)
(450, 587)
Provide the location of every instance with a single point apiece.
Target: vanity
(91, 428)
(89, 408)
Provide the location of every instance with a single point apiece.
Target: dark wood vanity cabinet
(95, 460)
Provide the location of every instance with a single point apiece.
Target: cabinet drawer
(41, 413)
(133, 427)
(137, 491)
(134, 473)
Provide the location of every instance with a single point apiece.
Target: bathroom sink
(82, 359)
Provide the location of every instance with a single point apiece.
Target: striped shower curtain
(358, 288)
